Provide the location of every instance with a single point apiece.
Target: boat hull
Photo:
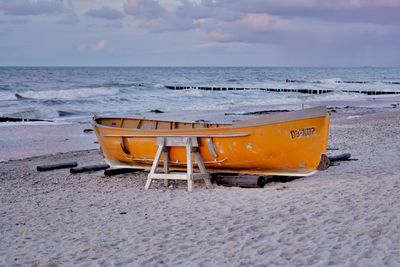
(288, 144)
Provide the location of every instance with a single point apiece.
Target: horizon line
(183, 66)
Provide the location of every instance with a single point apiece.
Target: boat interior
(149, 124)
(146, 124)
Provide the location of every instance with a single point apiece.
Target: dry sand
(345, 216)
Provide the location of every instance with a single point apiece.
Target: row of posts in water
(302, 91)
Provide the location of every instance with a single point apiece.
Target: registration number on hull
(304, 132)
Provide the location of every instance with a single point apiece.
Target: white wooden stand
(164, 144)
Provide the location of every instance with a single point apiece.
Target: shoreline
(347, 215)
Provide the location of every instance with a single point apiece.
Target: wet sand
(22, 140)
(347, 215)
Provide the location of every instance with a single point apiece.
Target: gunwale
(314, 112)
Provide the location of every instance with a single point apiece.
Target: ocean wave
(328, 81)
(116, 84)
(7, 96)
(67, 94)
(158, 86)
(64, 113)
(53, 102)
(33, 113)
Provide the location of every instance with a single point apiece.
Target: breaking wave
(118, 85)
(7, 96)
(67, 94)
(326, 81)
(338, 80)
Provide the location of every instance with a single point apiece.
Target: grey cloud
(374, 15)
(368, 11)
(195, 11)
(152, 16)
(144, 9)
(167, 23)
(155, 18)
(251, 28)
(26, 7)
(280, 22)
(286, 5)
(105, 12)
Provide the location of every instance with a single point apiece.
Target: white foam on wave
(30, 123)
(192, 93)
(29, 112)
(159, 85)
(70, 93)
(7, 96)
(330, 81)
(335, 96)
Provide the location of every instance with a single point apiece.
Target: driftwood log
(89, 168)
(340, 157)
(66, 165)
(241, 180)
(327, 161)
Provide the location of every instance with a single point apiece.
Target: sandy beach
(348, 215)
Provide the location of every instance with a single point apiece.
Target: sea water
(76, 93)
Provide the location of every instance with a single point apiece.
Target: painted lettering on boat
(300, 133)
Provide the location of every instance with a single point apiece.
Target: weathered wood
(189, 162)
(89, 168)
(203, 169)
(340, 157)
(324, 163)
(178, 176)
(154, 166)
(112, 172)
(166, 164)
(297, 90)
(164, 144)
(245, 181)
(51, 167)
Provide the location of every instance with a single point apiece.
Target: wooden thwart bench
(191, 143)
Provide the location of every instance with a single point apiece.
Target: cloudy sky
(200, 32)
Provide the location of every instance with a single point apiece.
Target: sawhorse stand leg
(191, 145)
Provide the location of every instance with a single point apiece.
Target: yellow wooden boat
(287, 144)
